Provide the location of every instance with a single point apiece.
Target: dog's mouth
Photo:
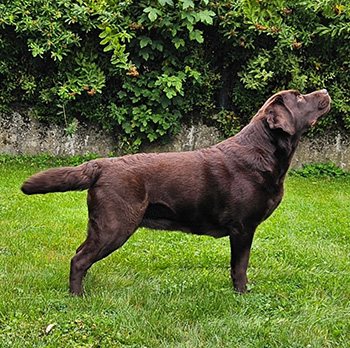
(313, 123)
(323, 103)
(324, 106)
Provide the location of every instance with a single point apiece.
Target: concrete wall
(331, 147)
(20, 134)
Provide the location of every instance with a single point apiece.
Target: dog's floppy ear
(278, 115)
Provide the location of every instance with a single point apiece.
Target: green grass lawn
(169, 289)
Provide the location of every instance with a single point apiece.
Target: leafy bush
(142, 67)
(320, 170)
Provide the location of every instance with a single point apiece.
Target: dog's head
(294, 112)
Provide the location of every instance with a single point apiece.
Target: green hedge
(142, 67)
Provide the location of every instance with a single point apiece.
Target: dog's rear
(63, 179)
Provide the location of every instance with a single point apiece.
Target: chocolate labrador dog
(224, 190)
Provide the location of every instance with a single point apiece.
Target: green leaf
(159, 47)
(178, 42)
(152, 16)
(144, 41)
(152, 13)
(144, 54)
(197, 35)
(190, 17)
(108, 48)
(163, 2)
(187, 3)
(127, 127)
(122, 94)
(103, 34)
(164, 101)
(206, 16)
(170, 93)
(105, 40)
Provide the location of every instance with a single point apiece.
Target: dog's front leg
(240, 242)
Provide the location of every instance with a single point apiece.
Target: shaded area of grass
(169, 289)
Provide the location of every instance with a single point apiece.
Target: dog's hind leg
(112, 220)
(98, 245)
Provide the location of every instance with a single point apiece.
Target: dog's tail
(63, 179)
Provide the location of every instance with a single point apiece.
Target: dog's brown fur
(224, 190)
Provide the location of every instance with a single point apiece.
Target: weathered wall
(331, 147)
(20, 134)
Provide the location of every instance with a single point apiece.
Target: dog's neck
(273, 149)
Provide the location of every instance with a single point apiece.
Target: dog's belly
(170, 225)
(160, 217)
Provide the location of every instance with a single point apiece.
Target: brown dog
(224, 190)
